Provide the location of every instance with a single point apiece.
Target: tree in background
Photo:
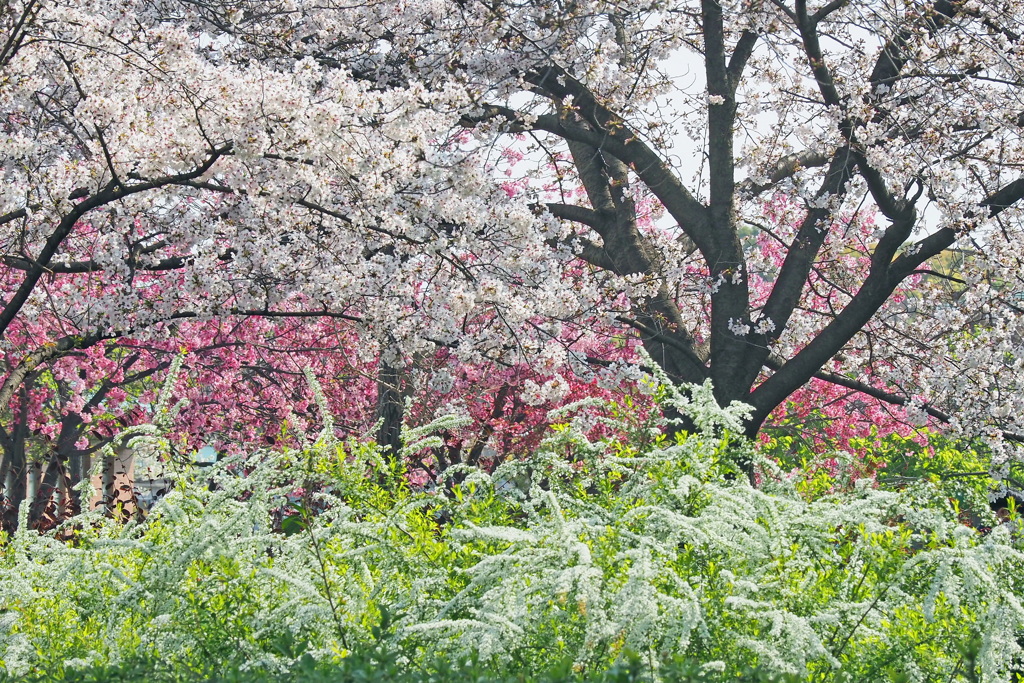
(477, 179)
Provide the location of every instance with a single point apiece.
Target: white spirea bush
(635, 543)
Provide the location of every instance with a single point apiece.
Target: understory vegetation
(633, 557)
(485, 225)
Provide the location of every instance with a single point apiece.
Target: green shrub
(638, 559)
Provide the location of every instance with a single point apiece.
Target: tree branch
(110, 193)
(45, 353)
(881, 395)
(740, 55)
(786, 167)
(615, 138)
(578, 214)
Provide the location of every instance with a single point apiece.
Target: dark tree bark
(14, 469)
(390, 408)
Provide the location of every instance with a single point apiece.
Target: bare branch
(882, 395)
(786, 167)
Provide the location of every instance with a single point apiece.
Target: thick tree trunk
(75, 462)
(15, 484)
(107, 492)
(79, 465)
(390, 406)
(15, 455)
(45, 493)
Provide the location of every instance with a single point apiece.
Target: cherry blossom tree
(910, 111)
(132, 197)
(435, 174)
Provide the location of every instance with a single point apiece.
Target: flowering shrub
(823, 417)
(597, 553)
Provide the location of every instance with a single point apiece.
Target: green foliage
(640, 558)
(384, 667)
(960, 470)
(820, 470)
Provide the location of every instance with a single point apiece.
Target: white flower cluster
(738, 327)
(765, 325)
(551, 390)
